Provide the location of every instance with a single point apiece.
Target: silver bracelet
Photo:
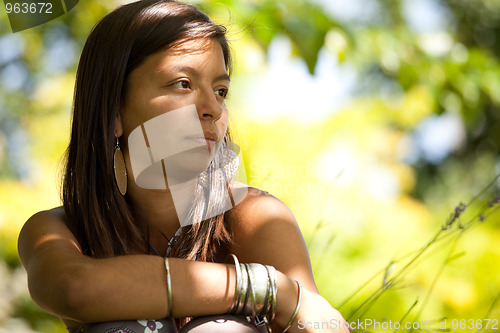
(169, 288)
(237, 285)
(241, 288)
(250, 307)
(259, 290)
(245, 295)
(255, 291)
(271, 274)
(296, 308)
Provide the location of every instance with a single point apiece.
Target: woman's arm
(78, 288)
(265, 231)
(73, 286)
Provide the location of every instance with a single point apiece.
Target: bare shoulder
(259, 208)
(260, 203)
(265, 231)
(56, 213)
(42, 227)
(46, 221)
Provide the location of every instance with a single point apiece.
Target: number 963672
(475, 324)
(28, 8)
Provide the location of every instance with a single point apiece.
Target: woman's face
(191, 76)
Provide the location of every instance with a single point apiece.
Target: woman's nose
(209, 107)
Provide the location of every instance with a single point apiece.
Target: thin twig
(406, 314)
(490, 310)
(437, 276)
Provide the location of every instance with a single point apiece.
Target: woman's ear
(118, 126)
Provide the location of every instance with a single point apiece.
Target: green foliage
(305, 23)
(405, 77)
(37, 318)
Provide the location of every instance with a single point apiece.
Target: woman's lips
(203, 140)
(208, 140)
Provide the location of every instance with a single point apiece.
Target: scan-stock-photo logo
(25, 14)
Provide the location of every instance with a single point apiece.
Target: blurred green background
(371, 119)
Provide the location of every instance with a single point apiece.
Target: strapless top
(128, 326)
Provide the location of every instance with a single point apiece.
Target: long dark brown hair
(102, 220)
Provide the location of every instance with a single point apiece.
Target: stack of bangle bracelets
(255, 294)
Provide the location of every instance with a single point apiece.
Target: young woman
(150, 72)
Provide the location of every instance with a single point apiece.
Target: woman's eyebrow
(223, 77)
(186, 69)
(192, 71)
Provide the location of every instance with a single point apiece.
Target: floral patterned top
(128, 326)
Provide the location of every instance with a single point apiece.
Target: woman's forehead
(192, 46)
(193, 53)
(196, 54)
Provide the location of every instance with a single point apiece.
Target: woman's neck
(164, 210)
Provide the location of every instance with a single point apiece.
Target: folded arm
(78, 288)
(73, 286)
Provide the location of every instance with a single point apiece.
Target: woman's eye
(222, 92)
(182, 84)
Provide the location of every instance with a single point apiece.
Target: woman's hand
(317, 315)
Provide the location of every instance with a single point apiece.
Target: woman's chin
(187, 165)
